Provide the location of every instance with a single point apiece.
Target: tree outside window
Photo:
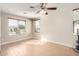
(16, 26)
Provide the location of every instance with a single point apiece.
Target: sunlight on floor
(44, 39)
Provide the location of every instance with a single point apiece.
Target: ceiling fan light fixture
(42, 11)
(46, 13)
(32, 7)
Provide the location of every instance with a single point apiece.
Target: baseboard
(61, 43)
(34, 38)
(58, 43)
(15, 41)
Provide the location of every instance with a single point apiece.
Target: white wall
(57, 26)
(4, 26)
(0, 31)
(0, 27)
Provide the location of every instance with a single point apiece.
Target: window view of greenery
(37, 26)
(16, 26)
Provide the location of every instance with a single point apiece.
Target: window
(16, 26)
(37, 26)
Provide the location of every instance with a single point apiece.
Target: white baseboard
(57, 43)
(15, 41)
(61, 43)
(34, 38)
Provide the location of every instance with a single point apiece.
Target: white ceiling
(20, 9)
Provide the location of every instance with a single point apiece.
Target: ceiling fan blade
(51, 8)
(41, 5)
(32, 7)
(38, 11)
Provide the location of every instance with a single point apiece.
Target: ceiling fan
(44, 8)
